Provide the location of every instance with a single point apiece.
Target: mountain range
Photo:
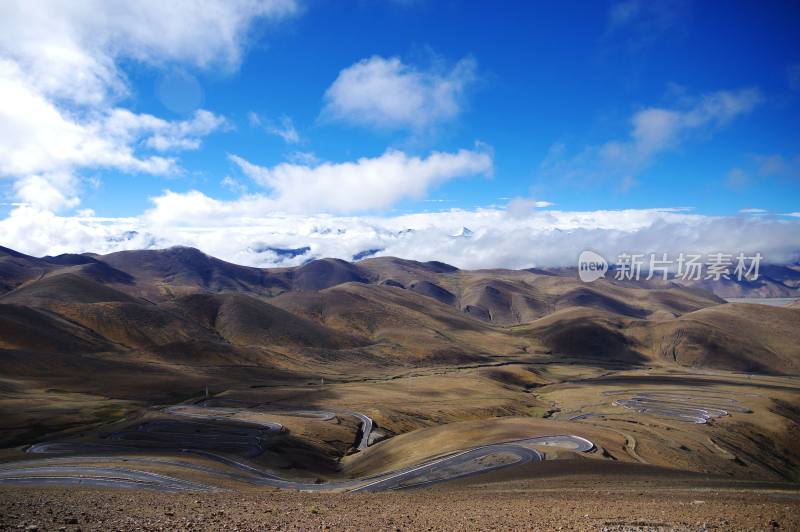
(180, 304)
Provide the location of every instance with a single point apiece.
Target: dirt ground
(633, 499)
(61, 509)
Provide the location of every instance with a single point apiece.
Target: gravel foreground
(485, 509)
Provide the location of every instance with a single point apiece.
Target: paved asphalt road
(689, 406)
(97, 477)
(220, 414)
(227, 413)
(65, 470)
(366, 429)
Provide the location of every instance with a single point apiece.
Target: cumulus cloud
(653, 131)
(386, 93)
(55, 192)
(240, 231)
(60, 85)
(37, 136)
(361, 185)
(70, 49)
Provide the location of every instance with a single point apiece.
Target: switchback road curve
(83, 471)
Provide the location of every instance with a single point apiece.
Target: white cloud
(233, 185)
(236, 230)
(60, 82)
(70, 49)
(39, 137)
(184, 134)
(753, 211)
(653, 131)
(386, 93)
(302, 157)
(361, 185)
(285, 129)
(56, 192)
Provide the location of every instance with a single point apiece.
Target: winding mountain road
(202, 411)
(98, 477)
(689, 407)
(66, 470)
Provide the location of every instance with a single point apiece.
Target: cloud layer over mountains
(497, 237)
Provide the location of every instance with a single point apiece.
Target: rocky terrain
(638, 507)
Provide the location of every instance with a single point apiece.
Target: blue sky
(266, 107)
(545, 74)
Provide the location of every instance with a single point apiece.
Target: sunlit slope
(735, 336)
(419, 325)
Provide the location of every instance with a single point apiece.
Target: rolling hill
(736, 336)
(244, 320)
(161, 275)
(65, 287)
(179, 304)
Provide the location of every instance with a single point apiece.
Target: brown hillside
(66, 288)
(245, 320)
(28, 329)
(735, 336)
(164, 274)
